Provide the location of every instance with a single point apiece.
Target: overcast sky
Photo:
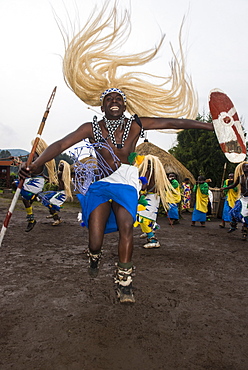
(215, 38)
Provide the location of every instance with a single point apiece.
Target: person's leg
(225, 214)
(54, 214)
(233, 225)
(245, 229)
(244, 232)
(30, 216)
(97, 222)
(193, 217)
(152, 241)
(56, 217)
(125, 267)
(173, 214)
(144, 228)
(125, 224)
(222, 224)
(203, 218)
(140, 222)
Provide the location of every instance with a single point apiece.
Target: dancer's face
(61, 166)
(171, 176)
(113, 106)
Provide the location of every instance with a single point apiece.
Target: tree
(5, 154)
(199, 151)
(63, 157)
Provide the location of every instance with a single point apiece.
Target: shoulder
(85, 125)
(204, 186)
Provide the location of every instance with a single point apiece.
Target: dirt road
(191, 299)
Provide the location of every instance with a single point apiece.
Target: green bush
(50, 187)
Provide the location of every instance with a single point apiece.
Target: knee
(95, 243)
(126, 228)
(95, 246)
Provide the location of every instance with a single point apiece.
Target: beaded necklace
(112, 126)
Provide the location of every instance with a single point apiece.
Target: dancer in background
(154, 190)
(55, 199)
(34, 185)
(186, 195)
(201, 201)
(239, 213)
(173, 197)
(210, 201)
(231, 196)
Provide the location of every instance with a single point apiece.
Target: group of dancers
(33, 188)
(235, 208)
(92, 69)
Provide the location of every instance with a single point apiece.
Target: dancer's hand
(30, 171)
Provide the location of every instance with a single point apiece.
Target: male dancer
(89, 66)
(230, 199)
(34, 185)
(154, 191)
(174, 199)
(55, 199)
(239, 213)
(201, 189)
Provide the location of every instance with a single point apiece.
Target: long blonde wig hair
(51, 165)
(66, 178)
(239, 172)
(91, 63)
(156, 169)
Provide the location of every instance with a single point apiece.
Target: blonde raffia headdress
(239, 172)
(66, 178)
(51, 165)
(156, 170)
(91, 63)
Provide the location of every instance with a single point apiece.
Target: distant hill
(17, 152)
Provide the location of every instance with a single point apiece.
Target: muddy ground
(191, 299)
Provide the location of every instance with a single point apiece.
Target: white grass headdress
(152, 165)
(239, 172)
(66, 178)
(91, 65)
(51, 165)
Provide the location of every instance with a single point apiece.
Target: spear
(29, 161)
(223, 175)
(220, 201)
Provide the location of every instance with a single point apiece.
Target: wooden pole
(29, 161)
(223, 175)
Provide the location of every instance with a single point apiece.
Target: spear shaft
(29, 161)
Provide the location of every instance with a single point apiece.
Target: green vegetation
(5, 154)
(199, 151)
(63, 157)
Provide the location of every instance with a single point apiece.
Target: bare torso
(244, 185)
(129, 144)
